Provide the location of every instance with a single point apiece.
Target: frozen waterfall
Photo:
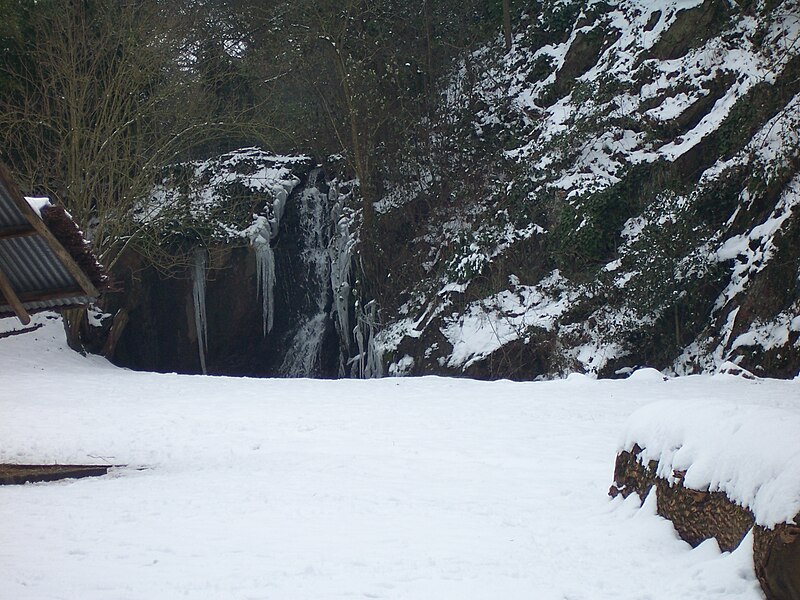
(341, 249)
(303, 353)
(301, 247)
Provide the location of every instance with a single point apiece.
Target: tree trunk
(428, 58)
(507, 24)
(73, 320)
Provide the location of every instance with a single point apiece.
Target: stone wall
(698, 515)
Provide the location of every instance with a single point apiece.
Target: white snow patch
(201, 191)
(748, 451)
(38, 204)
(754, 249)
(493, 322)
(401, 367)
(399, 488)
(774, 334)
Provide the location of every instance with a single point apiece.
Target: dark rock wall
(160, 334)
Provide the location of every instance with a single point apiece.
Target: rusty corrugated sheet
(31, 265)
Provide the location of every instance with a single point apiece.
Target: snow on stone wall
(751, 453)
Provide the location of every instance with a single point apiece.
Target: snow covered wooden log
(720, 471)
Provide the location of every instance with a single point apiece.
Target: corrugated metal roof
(31, 266)
(10, 215)
(31, 262)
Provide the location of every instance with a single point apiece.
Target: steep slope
(618, 190)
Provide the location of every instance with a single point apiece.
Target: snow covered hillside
(620, 189)
(393, 488)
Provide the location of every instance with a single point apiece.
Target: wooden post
(117, 327)
(73, 317)
(13, 299)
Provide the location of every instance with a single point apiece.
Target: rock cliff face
(161, 331)
(619, 190)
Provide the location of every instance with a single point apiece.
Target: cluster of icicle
(341, 258)
(199, 301)
(265, 269)
(260, 234)
(369, 362)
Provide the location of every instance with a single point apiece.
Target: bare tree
(107, 94)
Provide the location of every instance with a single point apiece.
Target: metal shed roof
(36, 271)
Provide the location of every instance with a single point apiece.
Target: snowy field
(285, 489)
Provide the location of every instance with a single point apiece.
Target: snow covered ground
(396, 488)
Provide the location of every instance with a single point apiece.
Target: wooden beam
(37, 223)
(16, 232)
(12, 299)
(19, 474)
(22, 331)
(40, 296)
(44, 296)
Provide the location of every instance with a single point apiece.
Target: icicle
(374, 363)
(341, 260)
(370, 363)
(260, 234)
(199, 301)
(265, 272)
(358, 333)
